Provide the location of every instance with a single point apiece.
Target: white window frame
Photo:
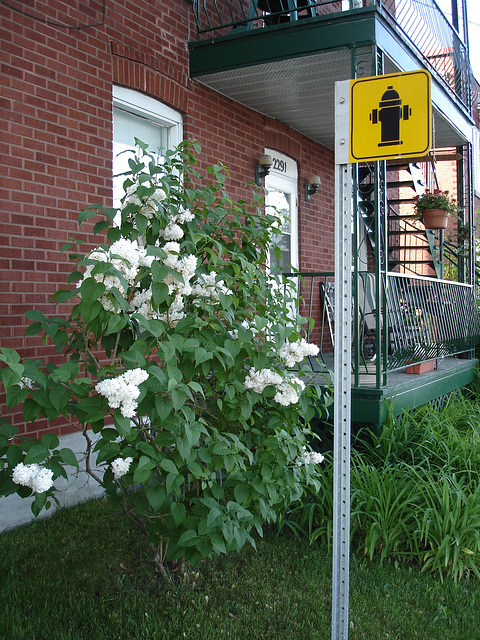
(147, 107)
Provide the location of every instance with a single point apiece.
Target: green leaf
(133, 356)
(35, 315)
(202, 355)
(15, 395)
(218, 544)
(37, 453)
(59, 397)
(33, 329)
(65, 372)
(115, 324)
(101, 226)
(122, 424)
(156, 496)
(142, 476)
(6, 429)
(85, 214)
(68, 457)
(221, 448)
(91, 290)
(178, 398)
(74, 276)
(31, 410)
(169, 466)
(214, 514)
(163, 407)
(179, 512)
(159, 293)
(50, 440)
(188, 538)
(241, 493)
(196, 469)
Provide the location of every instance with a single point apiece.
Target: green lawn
(84, 575)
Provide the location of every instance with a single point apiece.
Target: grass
(415, 491)
(84, 575)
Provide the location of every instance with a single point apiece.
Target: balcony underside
(288, 72)
(406, 392)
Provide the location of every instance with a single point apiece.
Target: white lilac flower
(183, 216)
(308, 456)
(246, 325)
(209, 287)
(293, 352)
(172, 249)
(186, 266)
(175, 313)
(172, 231)
(120, 466)
(143, 259)
(42, 481)
(288, 391)
(142, 303)
(125, 256)
(258, 380)
(37, 478)
(132, 198)
(148, 207)
(25, 383)
(122, 392)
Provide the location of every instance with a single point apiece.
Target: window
(281, 186)
(138, 116)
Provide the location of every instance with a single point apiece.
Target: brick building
(62, 89)
(80, 79)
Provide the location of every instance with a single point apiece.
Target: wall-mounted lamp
(262, 169)
(311, 187)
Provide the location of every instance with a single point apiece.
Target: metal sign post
(376, 118)
(342, 365)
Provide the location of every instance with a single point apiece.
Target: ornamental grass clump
(415, 491)
(176, 358)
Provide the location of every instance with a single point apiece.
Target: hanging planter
(435, 218)
(433, 208)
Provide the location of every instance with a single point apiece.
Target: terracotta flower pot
(421, 367)
(435, 218)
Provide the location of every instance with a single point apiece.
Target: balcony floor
(404, 391)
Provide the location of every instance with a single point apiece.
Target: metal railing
(414, 319)
(436, 40)
(428, 319)
(422, 24)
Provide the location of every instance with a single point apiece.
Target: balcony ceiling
(294, 82)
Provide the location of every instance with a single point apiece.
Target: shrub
(175, 356)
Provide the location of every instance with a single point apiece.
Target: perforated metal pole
(342, 378)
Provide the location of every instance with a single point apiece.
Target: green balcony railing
(406, 320)
(420, 23)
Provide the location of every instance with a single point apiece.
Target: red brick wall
(56, 113)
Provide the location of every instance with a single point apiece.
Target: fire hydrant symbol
(389, 114)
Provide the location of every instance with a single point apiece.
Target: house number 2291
(279, 165)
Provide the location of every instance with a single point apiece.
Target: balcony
(282, 57)
(397, 322)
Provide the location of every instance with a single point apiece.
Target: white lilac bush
(176, 365)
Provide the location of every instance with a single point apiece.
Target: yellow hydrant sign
(390, 116)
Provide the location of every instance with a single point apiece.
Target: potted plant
(433, 208)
